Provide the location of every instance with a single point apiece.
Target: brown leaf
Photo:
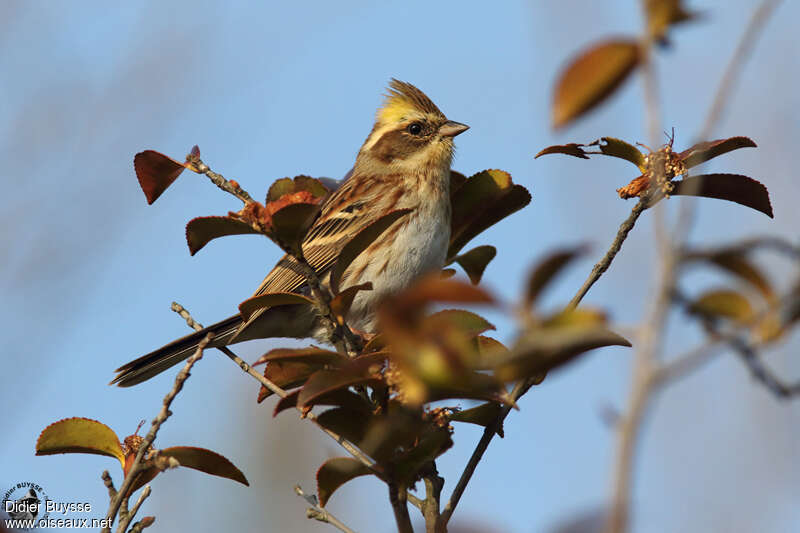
(79, 435)
(310, 355)
(701, 152)
(592, 77)
(483, 200)
(286, 375)
(732, 187)
(205, 461)
(467, 321)
(341, 303)
(362, 370)
(636, 188)
(361, 242)
(291, 223)
(202, 230)
(735, 261)
(661, 14)
(347, 422)
(336, 472)
(544, 272)
(573, 149)
(475, 261)
(435, 289)
(156, 172)
(272, 299)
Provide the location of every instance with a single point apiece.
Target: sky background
(274, 89)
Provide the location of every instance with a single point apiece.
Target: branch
(123, 523)
(275, 389)
(760, 372)
(433, 492)
(146, 444)
(605, 262)
(229, 186)
(397, 497)
(318, 513)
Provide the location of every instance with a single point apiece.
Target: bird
(403, 164)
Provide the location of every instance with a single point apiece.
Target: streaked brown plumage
(404, 163)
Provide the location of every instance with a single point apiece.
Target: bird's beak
(451, 128)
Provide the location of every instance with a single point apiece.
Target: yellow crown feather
(404, 99)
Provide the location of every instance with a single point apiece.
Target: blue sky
(278, 89)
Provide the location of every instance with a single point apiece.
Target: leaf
(723, 303)
(475, 261)
(346, 422)
(341, 398)
(701, 152)
(483, 200)
(286, 375)
(484, 415)
(272, 299)
(341, 303)
(735, 262)
(310, 355)
(291, 223)
(205, 461)
(489, 352)
(620, 149)
(361, 370)
(543, 349)
(202, 230)
(544, 272)
(156, 172)
(279, 188)
(287, 402)
(732, 187)
(467, 321)
(79, 435)
(336, 472)
(592, 77)
(573, 149)
(285, 186)
(361, 242)
(434, 289)
(661, 14)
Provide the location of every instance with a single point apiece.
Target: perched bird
(403, 164)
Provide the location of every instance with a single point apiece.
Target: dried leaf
(272, 299)
(310, 355)
(205, 461)
(79, 435)
(661, 14)
(701, 152)
(336, 472)
(475, 261)
(286, 375)
(361, 242)
(291, 223)
(156, 172)
(732, 187)
(361, 371)
(592, 77)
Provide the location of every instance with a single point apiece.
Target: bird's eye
(415, 128)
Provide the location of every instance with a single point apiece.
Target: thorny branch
(318, 513)
(122, 495)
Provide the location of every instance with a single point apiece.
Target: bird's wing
(344, 213)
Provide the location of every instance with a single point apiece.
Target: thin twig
(488, 434)
(319, 513)
(344, 443)
(219, 180)
(147, 442)
(763, 374)
(605, 262)
(109, 483)
(123, 523)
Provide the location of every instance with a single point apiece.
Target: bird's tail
(149, 365)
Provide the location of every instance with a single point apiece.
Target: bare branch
(605, 262)
(162, 416)
(128, 518)
(318, 513)
(397, 497)
(231, 187)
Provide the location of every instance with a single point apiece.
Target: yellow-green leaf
(620, 149)
(723, 303)
(483, 415)
(80, 435)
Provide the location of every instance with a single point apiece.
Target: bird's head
(410, 134)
